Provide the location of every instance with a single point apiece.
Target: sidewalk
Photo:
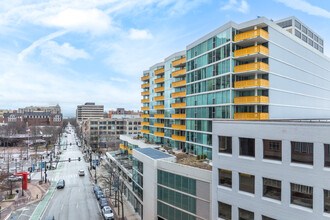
(128, 209)
(33, 194)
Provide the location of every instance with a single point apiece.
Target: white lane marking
(77, 205)
(62, 206)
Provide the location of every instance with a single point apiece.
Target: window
(225, 177)
(246, 147)
(310, 34)
(302, 152)
(297, 33)
(245, 214)
(304, 38)
(327, 155)
(327, 201)
(302, 195)
(267, 218)
(246, 183)
(304, 29)
(272, 149)
(272, 188)
(297, 24)
(225, 144)
(310, 42)
(224, 211)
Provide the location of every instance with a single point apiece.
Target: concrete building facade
(89, 111)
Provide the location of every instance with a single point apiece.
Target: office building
(271, 169)
(51, 109)
(160, 185)
(89, 111)
(259, 69)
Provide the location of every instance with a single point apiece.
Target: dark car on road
(103, 202)
(60, 184)
(99, 194)
(96, 188)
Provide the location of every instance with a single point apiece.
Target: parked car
(107, 213)
(99, 194)
(96, 188)
(81, 173)
(103, 202)
(60, 184)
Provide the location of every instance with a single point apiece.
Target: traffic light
(78, 158)
(69, 159)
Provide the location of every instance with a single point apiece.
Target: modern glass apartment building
(254, 70)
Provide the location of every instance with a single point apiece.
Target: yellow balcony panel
(179, 105)
(159, 134)
(159, 115)
(145, 116)
(145, 85)
(159, 89)
(178, 138)
(251, 83)
(178, 62)
(181, 127)
(145, 93)
(251, 116)
(251, 50)
(159, 71)
(145, 123)
(159, 98)
(145, 108)
(179, 72)
(144, 131)
(178, 115)
(179, 83)
(161, 125)
(160, 80)
(123, 147)
(251, 34)
(251, 99)
(130, 151)
(251, 66)
(143, 78)
(159, 106)
(179, 94)
(144, 100)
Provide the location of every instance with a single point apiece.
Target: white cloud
(304, 6)
(118, 79)
(136, 34)
(236, 5)
(58, 53)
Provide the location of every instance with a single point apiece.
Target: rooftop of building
(153, 153)
(296, 120)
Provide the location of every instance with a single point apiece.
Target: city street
(76, 200)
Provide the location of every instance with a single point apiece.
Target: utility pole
(41, 169)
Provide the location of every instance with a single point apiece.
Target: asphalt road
(76, 200)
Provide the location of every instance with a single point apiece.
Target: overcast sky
(69, 52)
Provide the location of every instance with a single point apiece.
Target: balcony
(251, 34)
(159, 134)
(144, 100)
(159, 71)
(161, 125)
(251, 116)
(145, 93)
(180, 127)
(144, 116)
(251, 83)
(252, 67)
(179, 62)
(252, 50)
(159, 89)
(144, 131)
(179, 72)
(179, 83)
(145, 108)
(251, 99)
(179, 94)
(145, 123)
(159, 115)
(159, 106)
(160, 80)
(143, 78)
(159, 98)
(178, 138)
(178, 115)
(123, 147)
(179, 105)
(146, 85)
(130, 151)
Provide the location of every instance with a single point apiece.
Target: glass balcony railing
(160, 80)
(178, 115)
(161, 134)
(251, 116)
(178, 72)
(178, 138)
(251, 34)
(145, 108)
(161, 125)
(159, 71)
(159, 106)
(251, 67)
(159, 98)
(181, 127)
(178, 94)
(251, 83)
(251, 50)
(179, 83)
(178, 62)
(251, 99)
(159, 89)
(144, 100)
(179, 105)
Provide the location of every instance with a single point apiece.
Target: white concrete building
(271, 170)
(89, 110)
